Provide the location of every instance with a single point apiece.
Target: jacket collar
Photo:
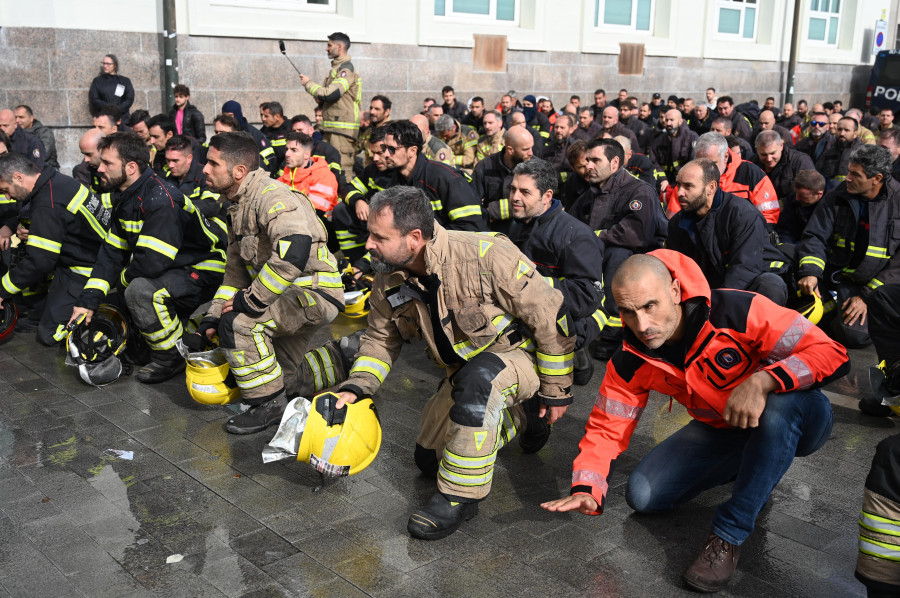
(48, 173)
(138, 184)
(437, 250)
(250, 182)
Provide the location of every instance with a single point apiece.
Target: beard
(110, 183)
(384, 266)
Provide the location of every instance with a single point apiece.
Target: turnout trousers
(346, 146)
(474, 413)
(267, 352)
(60, 301)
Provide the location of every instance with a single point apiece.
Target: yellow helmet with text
(340, 442)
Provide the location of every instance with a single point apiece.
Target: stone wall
(51, 70)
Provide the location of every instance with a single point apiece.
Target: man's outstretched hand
(583, 503)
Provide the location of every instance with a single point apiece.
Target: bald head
(649, 300)
(625, 143)
(422, 122)
(8, 122)
(638, 267)
(518, 146)
(766, 120)
(88, 146)
(517, 137)
(517, 119)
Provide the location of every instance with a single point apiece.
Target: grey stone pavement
(76, 520)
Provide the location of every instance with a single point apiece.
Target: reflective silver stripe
(326, 362)
(617, 408)
(555, 365)
(316, 371)
(373, 366)
(882, 525)
(801, 371)
(877, 549)
(259, 380)
(790, 338)
(467, 350)
(586, 477)
(466, 480)
(469, 462)
(767, 205)
(263, 364)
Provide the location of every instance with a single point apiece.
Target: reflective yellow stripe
(463, 212)
(244, 384)
(881, 252)
(225, 293)
(81, 270)
(211, 266)
(61, 333)
(466, 480)
(44, 243)
(97, 284)
(272, 280)
(504, 209)
(882, 525)
(131, 226)
(776, 264)
(8, 285)
(157, 245)
(78, 200)
(469, 462)
(874, 283)
(437, 206)
(331, 124)
(467, 350)
(93, 222)
(253, 368)
(813, 261)
(117, 241)
(881, 550)
(555, 365)
(373, 366)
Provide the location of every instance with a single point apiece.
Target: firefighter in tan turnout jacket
(490, 319)
(339, 97)
(281, 282)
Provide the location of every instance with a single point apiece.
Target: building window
(824, 21)
(636, 15)
(304, 5)
(737, 18)
(505, 11)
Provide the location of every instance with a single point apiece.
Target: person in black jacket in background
(109, 87)
(188, 119)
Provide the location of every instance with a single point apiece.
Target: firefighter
(309, 174)
(493, 175)
(379, 115)
(781, 164)
(565, 251)
(339, 97)
(747, 371)
(462, 140)
(433, 147)
(68, 226)
(23, 143)
(884, 316)
(492, 140)
(186, 173)
(724, 235)
(161, 253)
(876, 565)
(475, 299)
(455, 205)
(673, 147)
(848, 247)
(281, 282)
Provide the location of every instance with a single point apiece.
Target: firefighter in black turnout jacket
(161, 253)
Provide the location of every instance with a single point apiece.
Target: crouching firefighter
(161, 253)
(281, 282)
(480, 305)
(68, 227)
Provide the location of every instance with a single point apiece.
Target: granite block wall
(51, 70)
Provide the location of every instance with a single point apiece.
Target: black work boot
(584, 367)
(440, 517)
(258, 417)
(537, 430)
(156, 372)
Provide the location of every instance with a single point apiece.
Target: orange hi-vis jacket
(729, 335)
(744, 179)
(316, 182)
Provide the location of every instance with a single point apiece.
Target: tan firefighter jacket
(340, 97)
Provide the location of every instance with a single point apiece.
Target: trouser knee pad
(426, 461)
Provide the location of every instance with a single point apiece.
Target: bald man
(85, 172)
(609, 120)
(23, 143)
(751, 391)
(671, 150)
(434, 148)
(767, 122)
(493, 175)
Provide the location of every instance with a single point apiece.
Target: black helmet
(94, 347)
(8, 316)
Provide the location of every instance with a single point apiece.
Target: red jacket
(316, 182)
(729, 336)
(742, 178)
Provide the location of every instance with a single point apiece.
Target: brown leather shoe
(712, 569)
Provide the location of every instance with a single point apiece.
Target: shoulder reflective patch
(563, 323)
(238, 356)
(483, 247)
(276, 207)
(635, 205)
(523, 269)
(479, 439)
(283, 247)
(269, 188)
(309, 298)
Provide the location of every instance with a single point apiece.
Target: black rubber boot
(584, 367)
(156, 372)
(537, 430)
(440, 517)
(872, 406)
(259, 417)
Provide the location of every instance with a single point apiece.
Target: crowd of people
(683, 243)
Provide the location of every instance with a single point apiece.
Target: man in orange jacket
(309, 174)
(745, 369)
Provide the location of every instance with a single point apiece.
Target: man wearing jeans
(745, 369)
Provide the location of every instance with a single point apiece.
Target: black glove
(195, 342)
(242, 305)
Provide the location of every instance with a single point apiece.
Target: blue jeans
(699, 457)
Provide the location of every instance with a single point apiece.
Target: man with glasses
(819, 139)
(455, 205)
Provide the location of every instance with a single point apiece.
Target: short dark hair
(11, 163)
(724, 121)
(130, 148)
(163, 122)
(767, 138)
(181, 90)
(343, 38)
(305, 141)
(274, 108)
(574, 97)
(385, 102)
(410, 206)
(853, 120)
(26, 108)
(828, 106)
(578, 148)
(725, 100)
(874, 160)
(180, 143)
(111, 111)
(227, 120)
(405, 133)
(376, 135)
(802, 102)
(477, 99)
(712, 89)
(568, 118)
(432, 100)
(585, 109)
(770, 98)
(302, 119)
(709, 169)
(891, 134)
(138, 116)
(809, 179)
(543, 174)
(598, 90)
(447, 88)
(237, 147)
(611, 149)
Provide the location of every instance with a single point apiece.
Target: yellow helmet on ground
(809, 306)
(209, 380)
(883, 381)
(356, 304)
(340, 442)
